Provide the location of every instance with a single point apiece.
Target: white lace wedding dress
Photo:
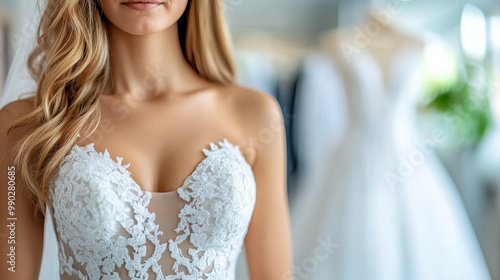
(383, 204)
(107, 227)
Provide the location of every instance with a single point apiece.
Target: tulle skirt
(371, 212)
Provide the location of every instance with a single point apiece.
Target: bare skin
(28, 229)
(158, 121)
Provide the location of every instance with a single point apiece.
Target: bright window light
(473, 32)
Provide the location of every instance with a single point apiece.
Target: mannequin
(156, 104)
(379, 194)
(376, 32)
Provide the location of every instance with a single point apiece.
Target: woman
(149, 84)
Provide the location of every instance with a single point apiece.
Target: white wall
(306, 18)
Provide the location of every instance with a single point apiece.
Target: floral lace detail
(105, 230)
(207, 231)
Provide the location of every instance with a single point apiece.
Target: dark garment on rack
(286, 97)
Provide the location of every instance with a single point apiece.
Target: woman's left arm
(268, 241)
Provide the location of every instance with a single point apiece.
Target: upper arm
(267, 243)
(21, 233)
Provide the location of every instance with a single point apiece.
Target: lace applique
(209, 231)
(106, 231)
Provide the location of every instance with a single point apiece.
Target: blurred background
(392, 118)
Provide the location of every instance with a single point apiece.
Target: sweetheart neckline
(223, 144)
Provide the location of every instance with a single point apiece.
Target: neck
(148, 64)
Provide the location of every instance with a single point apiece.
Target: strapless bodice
(109, 228)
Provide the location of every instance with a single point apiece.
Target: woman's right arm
(21, 232)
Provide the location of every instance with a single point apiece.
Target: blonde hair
(71, 66)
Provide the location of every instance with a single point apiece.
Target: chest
(162, 143)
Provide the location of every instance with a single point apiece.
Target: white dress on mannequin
(380, 196)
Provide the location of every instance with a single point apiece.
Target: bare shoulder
(15, 110)
(258, 117)
(9, 114)
(256, 108)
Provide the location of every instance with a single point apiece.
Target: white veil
(19, 85)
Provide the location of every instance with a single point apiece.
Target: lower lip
(142, 6)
